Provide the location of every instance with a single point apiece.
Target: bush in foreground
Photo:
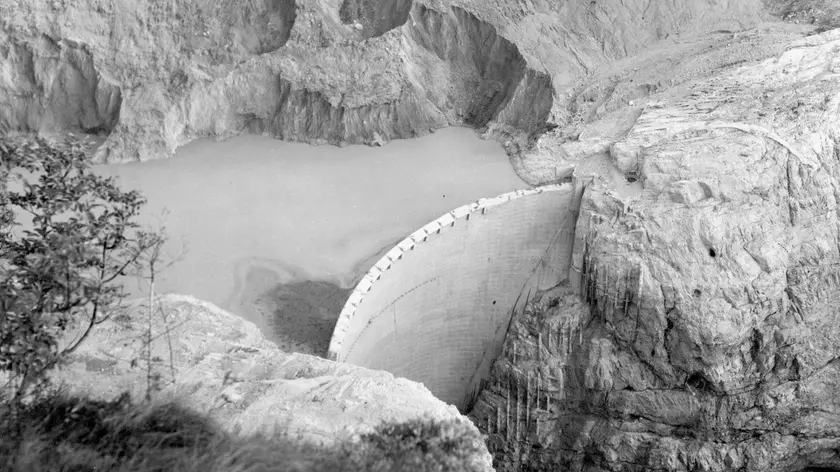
(62, 433)
(67, 235)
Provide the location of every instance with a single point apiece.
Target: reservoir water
(279, 232)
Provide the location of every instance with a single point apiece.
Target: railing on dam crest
(380, 268)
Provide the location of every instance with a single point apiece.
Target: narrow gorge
(660, 295)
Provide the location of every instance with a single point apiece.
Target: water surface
(265, 221)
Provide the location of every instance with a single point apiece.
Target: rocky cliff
(223, 366)
(151, 76)
(699, 327)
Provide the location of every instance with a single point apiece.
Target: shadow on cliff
(487, 69)
(488, 78)
(53, 86)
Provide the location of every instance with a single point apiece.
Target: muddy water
(279, 232)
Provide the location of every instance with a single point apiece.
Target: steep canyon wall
(702, 332)
(320, 71)
(50, 86)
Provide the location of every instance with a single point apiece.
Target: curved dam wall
(436, 308)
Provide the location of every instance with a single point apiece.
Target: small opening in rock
(712, 252)
(697, 293)
(494, 302)
(699, 381)
(794, 370)
(755, 343)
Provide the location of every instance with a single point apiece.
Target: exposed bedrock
(270, 28)
(375, 17)
(486, 73)
(270, 104)
(701, 333)
(449, 69)
(823, 13)
(503, 66)
(53, 86)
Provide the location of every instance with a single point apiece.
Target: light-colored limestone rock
(720, 352)
(152, 76)
(222, 365)
(710, 337)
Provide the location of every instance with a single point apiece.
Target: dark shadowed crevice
(261, 29)
(530, 107)
(377, 17)
(302, 315)
(700, 382)
(55, 87)
(276, 25)
(490, 65)
(492, 75)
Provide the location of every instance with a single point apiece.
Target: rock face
(224, 366)
(698, 327)
(708, 336)
(153, 77)
(55, 86)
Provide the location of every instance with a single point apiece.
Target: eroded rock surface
(709, 341)
(224, 366)
(698, 331)
(154, 76)
(54, 86)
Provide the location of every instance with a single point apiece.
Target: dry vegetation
(61, 433)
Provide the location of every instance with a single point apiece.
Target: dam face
(436, 308)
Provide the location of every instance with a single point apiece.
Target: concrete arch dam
(436, 308)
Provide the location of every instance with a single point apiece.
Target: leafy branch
(67, 236)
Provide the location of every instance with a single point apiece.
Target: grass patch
(75, 434)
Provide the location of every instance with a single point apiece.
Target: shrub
(60, 432)
(67, 433)
(421, 444)
(60, 270)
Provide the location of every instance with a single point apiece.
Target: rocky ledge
(699, 327)
(223, 366)
(150, 76)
